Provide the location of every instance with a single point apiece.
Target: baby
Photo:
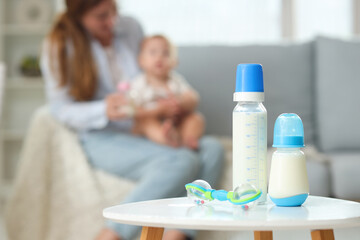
(166, 103)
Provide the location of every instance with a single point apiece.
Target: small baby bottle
(288, 183)
(125, 89)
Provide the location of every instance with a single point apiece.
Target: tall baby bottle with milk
(288, 183)
(249, 129)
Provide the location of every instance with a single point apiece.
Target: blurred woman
(89, 50)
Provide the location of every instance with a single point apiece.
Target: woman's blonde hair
(76, 68)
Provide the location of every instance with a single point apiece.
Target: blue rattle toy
(201, 192)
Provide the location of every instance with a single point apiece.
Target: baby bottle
(249, 129)
(288, 183)
(124, 88)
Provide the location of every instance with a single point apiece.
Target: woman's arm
(163, 108)
(188, 101)
(77, 115)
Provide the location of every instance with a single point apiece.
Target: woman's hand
(113, 103)
(169, 107)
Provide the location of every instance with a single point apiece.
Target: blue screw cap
(249, 78)
(288, 131)
(249, 83)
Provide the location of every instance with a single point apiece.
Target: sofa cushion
(287, 77)
(344, 168)
(338, 100)
(319, 178)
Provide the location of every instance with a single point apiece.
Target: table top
(315, 213)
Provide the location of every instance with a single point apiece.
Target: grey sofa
(318, 80)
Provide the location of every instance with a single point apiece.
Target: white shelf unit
(25, 83)
(22, 95)
(25, 29)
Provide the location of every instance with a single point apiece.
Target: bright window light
(208, 22)
(323, 17)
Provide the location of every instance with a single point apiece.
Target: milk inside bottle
(250, 129)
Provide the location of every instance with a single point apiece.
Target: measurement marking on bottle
(250, 135)
(254, 146)
(251, 169)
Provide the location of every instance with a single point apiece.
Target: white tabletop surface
(315, 213)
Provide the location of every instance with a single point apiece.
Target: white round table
(318, 214)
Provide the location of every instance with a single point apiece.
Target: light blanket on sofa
(57, 195)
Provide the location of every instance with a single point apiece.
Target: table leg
(263, 235)
(327, 234)
(151, 233)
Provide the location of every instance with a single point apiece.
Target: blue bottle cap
(249, 83)
(249, 78)
(288, 131)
